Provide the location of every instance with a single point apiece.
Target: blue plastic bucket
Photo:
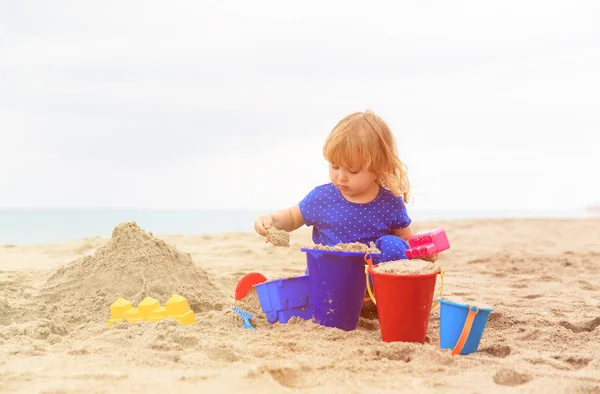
(453, 319)
(283, 299)
(337, 287)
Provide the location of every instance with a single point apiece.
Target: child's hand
(431, 258)
(262, 224)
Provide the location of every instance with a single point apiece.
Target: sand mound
(133, 264)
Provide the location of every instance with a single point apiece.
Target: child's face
(351, 182)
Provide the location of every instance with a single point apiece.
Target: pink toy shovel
(427, 243)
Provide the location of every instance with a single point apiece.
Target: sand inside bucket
(278, 237)
(347, 247)
(407, 267)
(462, 301)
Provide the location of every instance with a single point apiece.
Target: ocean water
(59, 225)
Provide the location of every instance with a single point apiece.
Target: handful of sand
(278, 237)
(407, 267)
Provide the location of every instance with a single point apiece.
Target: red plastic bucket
(404, 303)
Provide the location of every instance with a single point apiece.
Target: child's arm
(288, 219)
(404, 233)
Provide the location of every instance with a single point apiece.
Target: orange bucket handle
(473, 310)
(369, 261)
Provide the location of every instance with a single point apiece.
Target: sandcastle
(133, 266)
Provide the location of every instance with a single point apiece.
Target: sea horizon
(40, 226)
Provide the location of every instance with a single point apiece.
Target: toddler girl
(365, 201)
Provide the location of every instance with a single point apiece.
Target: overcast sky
(190, 104)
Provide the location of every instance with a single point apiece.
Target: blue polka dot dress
(337, 220)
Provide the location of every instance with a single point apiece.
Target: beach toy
(404, 303)
(149, 309)
(118, 309)
(246, 283)
(247, 316)
(336, 287)
(461, 326)
(427, 243)
(282, 299)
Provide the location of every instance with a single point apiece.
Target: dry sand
(342, 247)
(542, 277)
(407, 267)
(278, 237)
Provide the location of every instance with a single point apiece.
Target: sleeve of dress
(309, 207)
(401, 218)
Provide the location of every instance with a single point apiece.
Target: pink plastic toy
(427, 243)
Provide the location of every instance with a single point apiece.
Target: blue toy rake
(247, 316)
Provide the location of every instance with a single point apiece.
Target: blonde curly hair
(362, 141)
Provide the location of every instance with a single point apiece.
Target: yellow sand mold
(149, 309)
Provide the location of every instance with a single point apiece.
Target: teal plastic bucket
(454, 326)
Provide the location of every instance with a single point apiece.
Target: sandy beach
(542, 277)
